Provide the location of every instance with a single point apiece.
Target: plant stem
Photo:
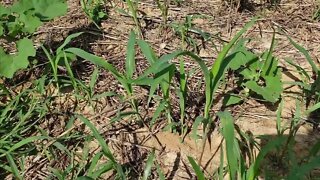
(133, 9)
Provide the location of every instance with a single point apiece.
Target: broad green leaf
(271, 92)
(9, 64)
(242, 56)
(196, 168)
(49, 9)
(149, 164)
(31, 22)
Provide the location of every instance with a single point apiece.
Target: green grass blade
(24, 142)
(315, 149)
(279, 115)
(313, 108)
(93, 79)
(149, 164)
(70, 73)
(99, 138)
(299, 68)
(269, 59)
(94, 163)
(130, 58)
(103, 169)
(196, 168)
(195, 126)
(221, 163)
(207, 78)
(229, 135)
(220, 65)
(306, 54)
(13, 166)
(254, 168)
(160, 173)
(157, 113)
(147, 51)
(95, 60)
(304, 169)
(67, 41)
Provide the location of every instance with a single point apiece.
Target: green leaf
(231, 99)
(13, 166)
(306, 54)
(48, 9)
(67, 41)
(130, 58)
(99, 138)
(242, 56)
(9, 64)
(196, 168)
(147, 51)
(299, 68)
(149, 164)
(95, 60)
(302, 170)
(94, 163)
(231, 142)
(254, 168)
(84, 178)
(221, 63)
(160, 173)
(195, 126)
(271, 92)
(313, 108)
(23, 142)
(270, 63)
(31, 22)
(157, 113)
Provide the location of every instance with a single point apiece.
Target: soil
(131, 142)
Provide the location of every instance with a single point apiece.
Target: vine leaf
(12, 63)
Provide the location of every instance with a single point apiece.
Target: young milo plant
(159, 73)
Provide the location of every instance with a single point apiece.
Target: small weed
(94, 10)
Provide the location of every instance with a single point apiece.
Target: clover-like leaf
(9, 64)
